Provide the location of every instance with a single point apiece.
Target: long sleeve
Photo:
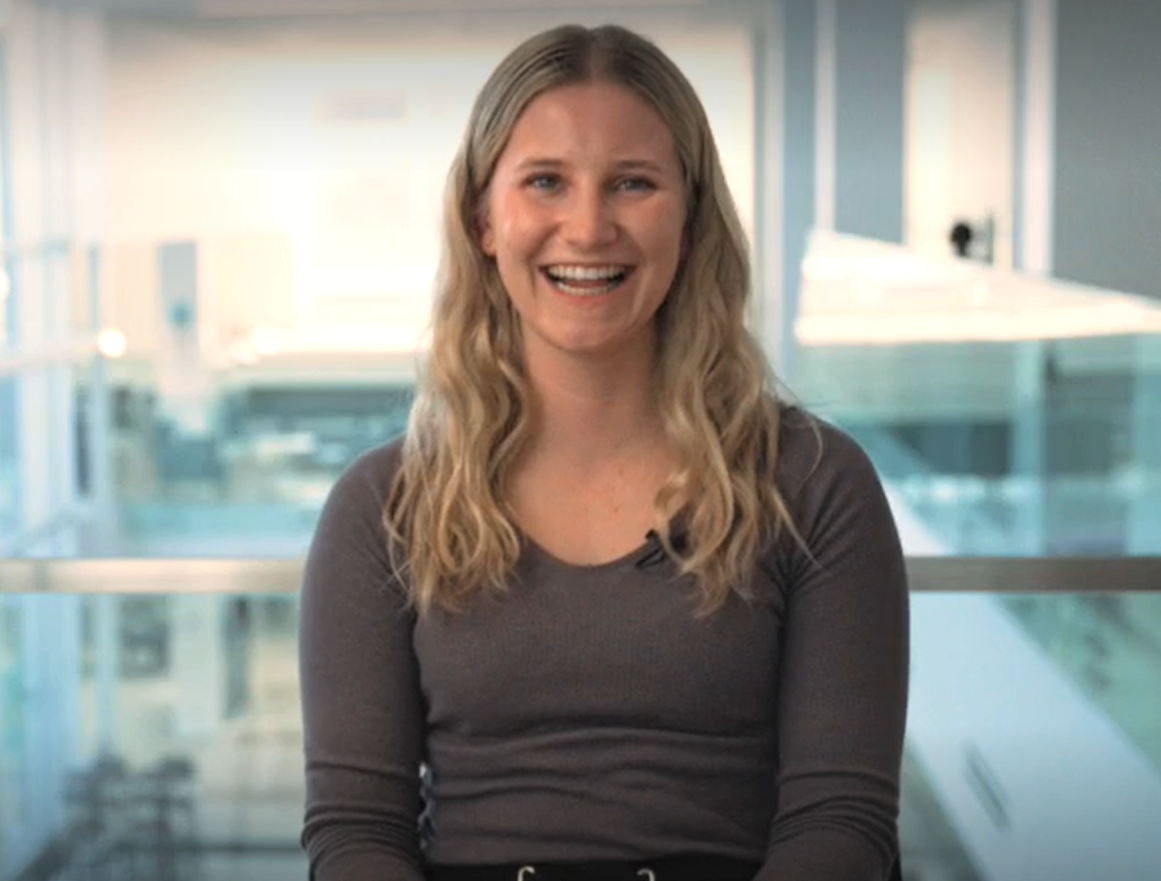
(361, 701)
(842, 699)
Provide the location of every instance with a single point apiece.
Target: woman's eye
(546, 182)
(635, 184)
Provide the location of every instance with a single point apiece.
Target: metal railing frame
(1001, 575)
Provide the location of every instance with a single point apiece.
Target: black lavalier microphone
(654, 552)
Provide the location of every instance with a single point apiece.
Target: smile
(586, 281)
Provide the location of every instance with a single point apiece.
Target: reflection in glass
(1010, 414)
(194, 770)
(1109, 647)
(1034, 720)
(204, 740)
(12, 717)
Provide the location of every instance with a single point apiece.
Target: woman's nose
(589, 220)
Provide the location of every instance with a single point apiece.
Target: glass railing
(1108, 646)
(9, 471)
(951, 510)
(185, 754)
(33, 509)
(1035, 724)
(1033, 751)
(1015, 415)
(1011, 415)
(251, 482)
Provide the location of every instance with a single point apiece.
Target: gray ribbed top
(590, 715)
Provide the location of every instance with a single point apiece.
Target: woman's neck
(588, 412)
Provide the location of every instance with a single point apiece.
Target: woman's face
(584, 216)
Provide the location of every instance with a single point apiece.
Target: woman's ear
(486, 237)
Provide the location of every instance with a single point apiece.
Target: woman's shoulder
(817, 459)
(349, 549)
(836, 500)
(366, 481)
(382, 461)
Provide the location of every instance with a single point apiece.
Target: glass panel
(1033, 721)
(46, 294)
(1009, 415)
(46, 460)
(9, 460)
(1035, 724)
(1108, 646)
(248, 474)
(55, 283)
(12, 719)
(8, 338)
(189, 738)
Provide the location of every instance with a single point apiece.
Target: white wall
(245, 137)
(959, 121)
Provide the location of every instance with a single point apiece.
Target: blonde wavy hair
(451, 532)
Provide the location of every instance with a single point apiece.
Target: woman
(633, 616)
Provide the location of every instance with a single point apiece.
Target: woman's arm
(842, 699)
(361, 701)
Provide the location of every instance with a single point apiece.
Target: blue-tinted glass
(9, 458)
(1033, 721)
(1008, 415)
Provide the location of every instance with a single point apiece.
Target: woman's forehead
(591, 121)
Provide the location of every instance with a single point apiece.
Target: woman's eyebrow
(538, 162)
(546, 162)
(639, 165)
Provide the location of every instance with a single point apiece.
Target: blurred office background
(219, 224)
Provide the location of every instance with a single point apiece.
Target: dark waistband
(693, 867)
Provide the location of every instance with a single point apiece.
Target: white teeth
(588, 291)
(585, 273)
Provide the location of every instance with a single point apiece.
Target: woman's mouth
(586, 281)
